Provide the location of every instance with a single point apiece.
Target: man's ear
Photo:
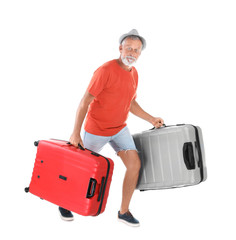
(120, 48)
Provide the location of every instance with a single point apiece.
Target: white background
(49, 51)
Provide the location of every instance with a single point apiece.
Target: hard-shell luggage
(73, 178)
(171, 156)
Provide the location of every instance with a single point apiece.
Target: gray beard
(126, 62)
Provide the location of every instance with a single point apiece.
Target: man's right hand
(75, 140)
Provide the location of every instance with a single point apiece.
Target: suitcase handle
(188, 155)
(160, 127)
(91, 188)
(80, 147)
(165, 126)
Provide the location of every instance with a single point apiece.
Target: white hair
(133, 38)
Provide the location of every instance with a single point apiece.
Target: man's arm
(75, 138)
(139, 112)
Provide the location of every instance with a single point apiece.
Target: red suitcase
(76, 179)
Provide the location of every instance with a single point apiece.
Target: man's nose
(131, 54)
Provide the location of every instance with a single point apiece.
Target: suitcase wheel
(36, 143)
(27, 189)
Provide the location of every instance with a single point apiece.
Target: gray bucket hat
(133, 32)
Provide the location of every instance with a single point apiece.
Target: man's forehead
(133, 42)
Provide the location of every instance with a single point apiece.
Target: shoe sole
(66, 218)
(129, 224)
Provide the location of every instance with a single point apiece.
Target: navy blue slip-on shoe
(128, 219)
(66, 214)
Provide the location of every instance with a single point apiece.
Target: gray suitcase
(171, 156)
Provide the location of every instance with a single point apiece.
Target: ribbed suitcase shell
(165, 154)
(72, 178)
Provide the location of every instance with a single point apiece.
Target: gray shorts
(122, 141)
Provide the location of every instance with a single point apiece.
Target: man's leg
(131, 160)
(94, 142)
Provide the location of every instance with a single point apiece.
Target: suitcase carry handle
(80, 147)
(165, 126)
(91, 188)
(159, 127)
(188, 155)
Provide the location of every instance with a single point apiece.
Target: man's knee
(131, 160)
(135, 166)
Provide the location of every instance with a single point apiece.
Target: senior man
(110, 96)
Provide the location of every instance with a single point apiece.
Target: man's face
(130, 51)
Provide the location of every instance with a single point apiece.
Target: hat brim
(122, 38)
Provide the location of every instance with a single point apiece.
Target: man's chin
(128, 62)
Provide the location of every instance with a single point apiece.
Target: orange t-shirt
(113, 88)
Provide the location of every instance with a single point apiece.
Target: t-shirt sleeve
(98, 81)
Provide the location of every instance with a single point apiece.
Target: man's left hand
(157, 122)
